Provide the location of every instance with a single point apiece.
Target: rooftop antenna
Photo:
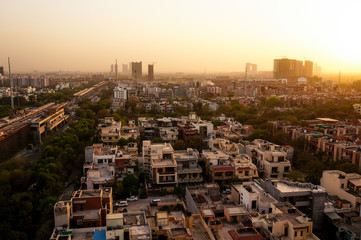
(11, 86)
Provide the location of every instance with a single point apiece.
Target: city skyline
(179, 37)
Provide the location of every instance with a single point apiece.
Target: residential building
(159, 163)
(204, 127)
(218, 166)
(270, 159)
(224, 145)
(245, 233)
(308, 198)
(188, 168)
(253, 197)
(110, 130)
(244, 169)
(136, 70)
(85, 208)
(346, 186)
(150, 72)
(285, 222)
(168, 129)
(99, 168)
(121, 92)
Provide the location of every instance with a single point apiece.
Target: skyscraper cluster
(292, 69)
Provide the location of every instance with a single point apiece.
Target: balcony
(190, 170)
(302, 204)
(222, 178)
(189, 180)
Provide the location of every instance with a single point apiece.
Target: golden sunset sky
(183, 35)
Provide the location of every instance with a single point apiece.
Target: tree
(130, 185)
(122, 142)
(258, 134)
(296, 175)
(180, 191)
(180, 145)
(217, 123)
(273, 102)
(157, 140)
(142, 193)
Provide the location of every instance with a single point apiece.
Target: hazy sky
(183, 35)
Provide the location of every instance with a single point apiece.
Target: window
(295, 233)
(287, 169)
(246, 173)
(100, 160)
(229, 173)
(254, 204)
(301, 233)
(110, 160)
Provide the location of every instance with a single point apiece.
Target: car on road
(154, 202)
(132, 199)
(121, 204)
(227, 191)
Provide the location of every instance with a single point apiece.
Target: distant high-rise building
(136, 70)
(308, 69)
(125, 68)
(150, 72)
(251, 68)
(317, 70)
(2, 71)
(292, 69)
(116, 68)
(112, 68)
(299, 68)
(284, 68)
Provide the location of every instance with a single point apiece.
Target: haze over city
(186, 36)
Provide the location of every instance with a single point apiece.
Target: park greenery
(30, 188)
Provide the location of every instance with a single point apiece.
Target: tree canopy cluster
(30, 189)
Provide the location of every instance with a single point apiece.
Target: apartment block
(86, 208)
(307, 197)
(244, 169)
(188, 168)
(270, 159)
(346, 186)
(253, 197)
(285, 222)
(218, 166)
(110, 130)
(159, 163)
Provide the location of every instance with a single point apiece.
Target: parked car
(227, 191)
(132, 199)
(154, 202)
(121, 204)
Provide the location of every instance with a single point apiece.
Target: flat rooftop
(235, 211)
(88, 214)
(290, 188)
